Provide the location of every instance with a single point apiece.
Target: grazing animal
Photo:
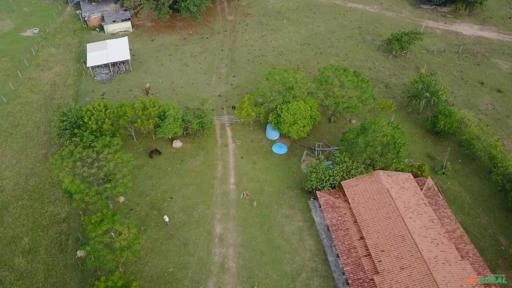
(147, 89)
(154, 152)
(166, 219)
(233, 107)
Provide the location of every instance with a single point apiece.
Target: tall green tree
(70, 125)
(246, 110)
(110, 242)
(324, 174)
(171, 122)
(127, 118)
(296, 119)
(101, 119)
(93, 174)
(147, 115)
(342, 91)
(279, 87)
(376, 144)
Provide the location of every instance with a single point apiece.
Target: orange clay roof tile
(391, 230)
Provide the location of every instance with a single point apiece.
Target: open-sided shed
(106, 59)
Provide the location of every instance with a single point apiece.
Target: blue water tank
(271, 133)
(280, 148)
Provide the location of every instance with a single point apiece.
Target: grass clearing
(307, 35)
(40, 235)
(277, 241)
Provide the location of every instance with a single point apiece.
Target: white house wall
(118, 27)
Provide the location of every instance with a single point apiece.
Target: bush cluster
(291, 102)
(426, 93)
(399, 43)
(373, 145)
(461, 5)
(95, 172)
(162, 8)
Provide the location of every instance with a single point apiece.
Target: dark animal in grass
(154, 152)
(233, 107)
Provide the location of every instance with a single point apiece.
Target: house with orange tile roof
(388, 229)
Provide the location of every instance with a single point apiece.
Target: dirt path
(225, 242)
(455, 26)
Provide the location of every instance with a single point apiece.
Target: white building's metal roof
(108, 51)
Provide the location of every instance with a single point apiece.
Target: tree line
(163, 8)
(95, 172)
(431, 100)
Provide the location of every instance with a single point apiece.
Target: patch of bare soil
(5, 25)
(459, 27)
(506, 66)
(225, 242)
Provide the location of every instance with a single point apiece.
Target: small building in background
(117, 22)
(106, 59)
(103, 13)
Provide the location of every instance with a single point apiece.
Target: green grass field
(276, 241)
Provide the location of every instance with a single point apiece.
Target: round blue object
(271, 133)
(280, 148)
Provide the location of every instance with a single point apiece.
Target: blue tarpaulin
(280, 148)
(271, 133)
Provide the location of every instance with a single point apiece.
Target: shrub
(246, 111)
(296, 119)
(417, 169)
(193, 8)
(171, 122)
(444, 121)
(425, 92)
(399, 43)
(110, 241)
(197, 121)
(324, 175)
(480, 142)
(116, 280)
(70, 125)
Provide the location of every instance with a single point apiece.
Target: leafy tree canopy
(296, 119)
(376, 144)
(95, 173)
(246, 111)
(341, 90)
(171, 122)
(111, 242)
(280, 86)
(445, 120)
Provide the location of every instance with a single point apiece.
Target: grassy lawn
(39, 232)
(277, 243)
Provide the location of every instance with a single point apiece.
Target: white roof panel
(108, 51)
